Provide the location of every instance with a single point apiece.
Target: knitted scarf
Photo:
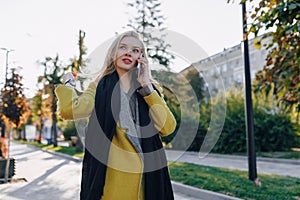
(101, 129)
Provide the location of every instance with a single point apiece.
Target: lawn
(235, 182)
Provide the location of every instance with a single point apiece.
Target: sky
(35, 29)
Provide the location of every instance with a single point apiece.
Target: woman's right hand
(68, 79)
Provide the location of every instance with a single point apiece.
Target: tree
(148, 17)
(53, 72)
(281, 71)
(197, 82)
(182, 93)
(78, 64)
(37, 111)
(14, 106)
(13, 100)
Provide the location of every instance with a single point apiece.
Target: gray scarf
(128, 114)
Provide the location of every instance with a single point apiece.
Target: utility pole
(252, 171)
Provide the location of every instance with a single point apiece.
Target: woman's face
(129, 50)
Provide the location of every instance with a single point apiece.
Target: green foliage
(69, 130)
(233, 137)
(281, 71)
(235, 182)
(273, 131)
(180, 90)
(13, 102)
(54, 70)
(36, 104)
(168, 81)
(79, 64)
(147, 19)
(197, 82)
(37, 111)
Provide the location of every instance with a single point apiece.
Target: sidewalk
(283, 167)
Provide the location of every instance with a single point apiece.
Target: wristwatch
(146, 90)
(70, 82)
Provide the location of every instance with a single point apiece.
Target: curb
(200, 193)
(72, 158)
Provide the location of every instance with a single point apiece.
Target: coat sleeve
(164, 120)
(73, 106)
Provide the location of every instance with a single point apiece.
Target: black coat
(101, 129)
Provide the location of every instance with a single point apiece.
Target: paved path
(49, 177)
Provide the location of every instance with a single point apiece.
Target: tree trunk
(7, 156)
(54, 120)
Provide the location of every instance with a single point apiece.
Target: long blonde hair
(109, 62)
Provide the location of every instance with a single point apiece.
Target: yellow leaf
(257, 43)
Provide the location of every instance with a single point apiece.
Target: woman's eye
(122, 47)
(136, 51)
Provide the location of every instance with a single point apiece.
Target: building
(226, 69)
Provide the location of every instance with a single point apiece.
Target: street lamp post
(6, 64)
(252, 171)
(6, 174)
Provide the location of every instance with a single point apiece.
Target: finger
(142, 59)
(144, 63)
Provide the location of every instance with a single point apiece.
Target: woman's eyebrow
(133, 46)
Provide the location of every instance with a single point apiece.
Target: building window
(253, 74)
(239, 78)
(212, 72)
(224, 67)
(252, 57)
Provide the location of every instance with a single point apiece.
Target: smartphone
(139, 66)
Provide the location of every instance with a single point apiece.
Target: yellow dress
(125, 167)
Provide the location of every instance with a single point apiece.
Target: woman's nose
(128, 53)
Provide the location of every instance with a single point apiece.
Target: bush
(272, 131)
(233, 137)
(188, 134)
(70, 130)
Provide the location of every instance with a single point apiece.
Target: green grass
(66, 150)
(235, 183)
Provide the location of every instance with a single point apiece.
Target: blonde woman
(124, 158)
